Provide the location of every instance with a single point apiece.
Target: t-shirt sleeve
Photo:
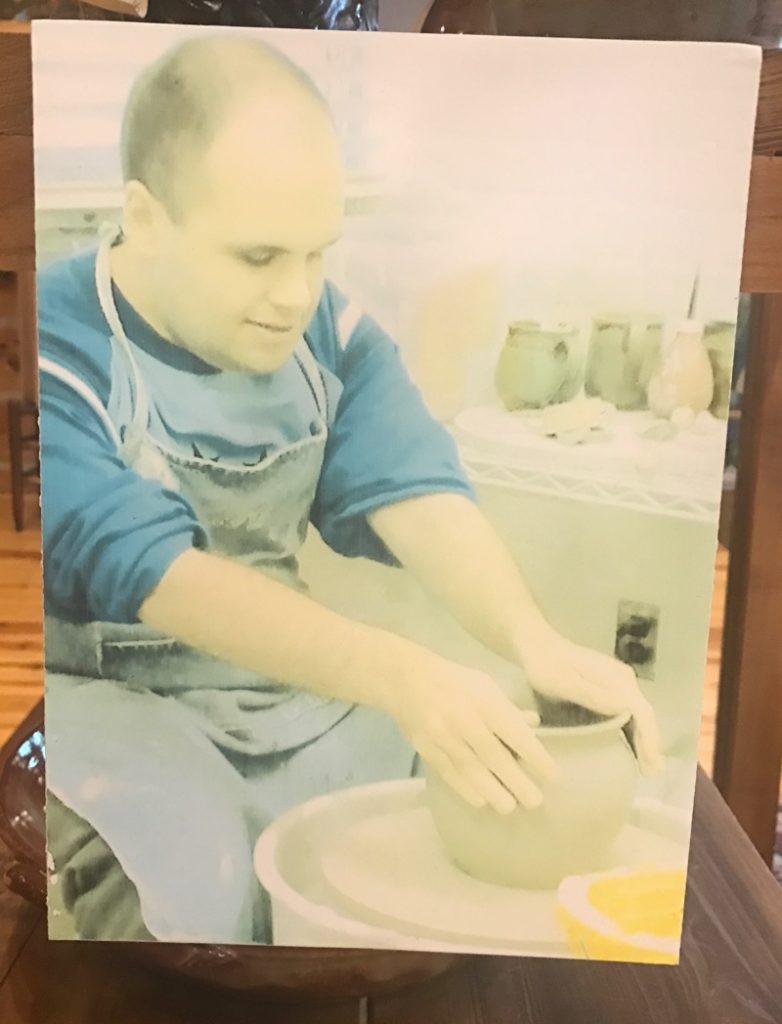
(108, 534)
(384, 445)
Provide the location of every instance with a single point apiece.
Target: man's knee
(95, 891)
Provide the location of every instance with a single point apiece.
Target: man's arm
(393, 483)
(242, 616)
(458, 719)
(450, 546)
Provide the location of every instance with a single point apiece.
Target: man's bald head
(178, 105)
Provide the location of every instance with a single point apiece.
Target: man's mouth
(272, 328)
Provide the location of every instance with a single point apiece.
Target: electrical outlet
(637, 626)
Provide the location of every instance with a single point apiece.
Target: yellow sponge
(627, 915)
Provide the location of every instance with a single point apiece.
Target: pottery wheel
(391, 870)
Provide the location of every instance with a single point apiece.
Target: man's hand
(466, 728)
(483, 589)
(558, 668)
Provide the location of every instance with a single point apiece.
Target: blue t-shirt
(110, 534)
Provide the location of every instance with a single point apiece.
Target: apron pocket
(259, 723)
(148, 660)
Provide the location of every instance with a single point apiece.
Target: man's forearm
(458, 719)
(452, 549)
(242, 616)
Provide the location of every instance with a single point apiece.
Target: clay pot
(273, 972)
(573, 831)
(538, 365)
(623, 352)
(719, 337)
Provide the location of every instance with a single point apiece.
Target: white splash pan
(363, 868)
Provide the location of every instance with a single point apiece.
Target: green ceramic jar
(623, 352)
(539, 365)
(719, 337)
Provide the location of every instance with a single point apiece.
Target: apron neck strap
(120, 340)
(103, 284)
(314, 377)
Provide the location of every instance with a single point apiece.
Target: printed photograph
(385, 384)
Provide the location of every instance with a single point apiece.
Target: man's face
(239, 273)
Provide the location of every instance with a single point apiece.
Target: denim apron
(178, 760)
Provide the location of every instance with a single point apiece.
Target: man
(204, 396)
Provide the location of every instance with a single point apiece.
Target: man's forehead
(303, 209)
(265, 143)
(262, 176)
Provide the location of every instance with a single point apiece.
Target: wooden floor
(20, 630)
(21, 659)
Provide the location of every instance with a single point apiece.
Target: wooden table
(731, 969)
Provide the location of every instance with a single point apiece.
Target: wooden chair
(17, 251)
(749, 730)
(23, 454)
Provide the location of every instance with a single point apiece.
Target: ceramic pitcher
(683, 377)
(539, 365)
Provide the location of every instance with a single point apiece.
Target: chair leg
(16, 456)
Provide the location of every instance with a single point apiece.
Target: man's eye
(257, 259)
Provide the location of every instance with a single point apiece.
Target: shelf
(680, 477)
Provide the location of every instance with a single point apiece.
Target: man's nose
(290, 288)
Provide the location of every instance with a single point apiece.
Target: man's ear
(143, 218)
